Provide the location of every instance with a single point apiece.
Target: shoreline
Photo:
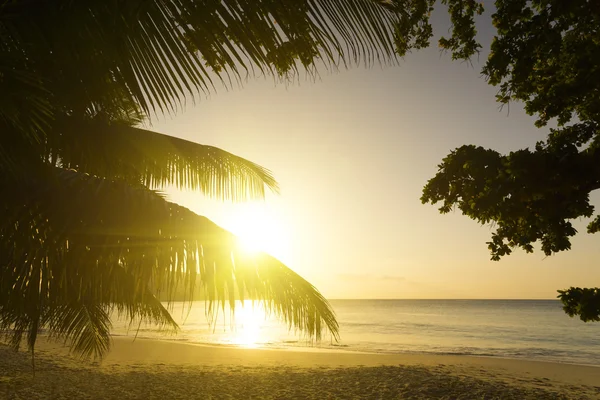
(345, 349)
(149, 368)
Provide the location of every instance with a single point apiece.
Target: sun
(251, 244)
(259, 229)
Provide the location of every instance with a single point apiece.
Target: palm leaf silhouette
(116, 150)
(91, 249)
(82, 234)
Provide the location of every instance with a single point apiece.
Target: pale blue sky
(352, 151)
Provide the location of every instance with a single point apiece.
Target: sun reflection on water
(250, 326)
(247, 325)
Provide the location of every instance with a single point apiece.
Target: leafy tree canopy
(547, 55)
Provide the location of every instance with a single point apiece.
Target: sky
(351, 151)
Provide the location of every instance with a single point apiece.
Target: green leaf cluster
(547, 55)
(584, 303)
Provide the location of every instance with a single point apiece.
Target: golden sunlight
(248, 321)
(258, 230)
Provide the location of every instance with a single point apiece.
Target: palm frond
(117, 151)
(284, 293)
(156, 54)
(85, 325)
(163, 51)
(85, 322)
(106, 243)
(25, 108)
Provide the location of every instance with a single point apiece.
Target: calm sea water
(529, 329)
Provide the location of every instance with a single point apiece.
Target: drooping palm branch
(119, 151)
(160, 53)
(75, 78)
(156, 55)
(84, 246)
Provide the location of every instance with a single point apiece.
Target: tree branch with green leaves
(545, 54)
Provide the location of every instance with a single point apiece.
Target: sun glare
(259, 230)
(250, 244)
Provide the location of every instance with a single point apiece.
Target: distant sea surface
(527, 329)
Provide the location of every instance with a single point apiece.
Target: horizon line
(461, 299)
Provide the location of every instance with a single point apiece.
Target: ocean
(525, 329)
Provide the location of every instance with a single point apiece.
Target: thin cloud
(395, 278)
(370, 277)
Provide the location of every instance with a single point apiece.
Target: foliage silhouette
(84, 233)
(546, 54)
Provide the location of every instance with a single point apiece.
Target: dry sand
(150, 369)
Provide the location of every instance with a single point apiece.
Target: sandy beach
(151, 369)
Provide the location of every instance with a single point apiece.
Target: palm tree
(84, 231)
